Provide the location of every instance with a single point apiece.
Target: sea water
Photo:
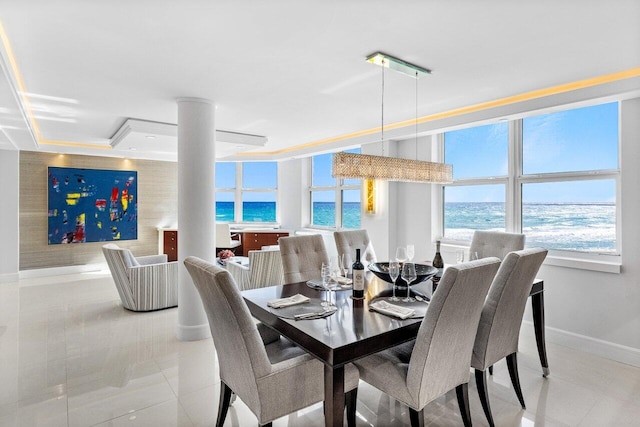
(587, 227)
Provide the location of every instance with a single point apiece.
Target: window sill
(590, 262)
(584, 264)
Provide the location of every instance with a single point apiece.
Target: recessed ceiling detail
(148, 136)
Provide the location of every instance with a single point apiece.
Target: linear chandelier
(365, 166)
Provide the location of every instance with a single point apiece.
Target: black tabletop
(352, 332)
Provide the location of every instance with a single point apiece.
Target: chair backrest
(265, 268)
(442, 354)
(223, 235)
(119, 260)
(501, 317)
(241, 354)
(302, 257)
(495, 243)
(348, 241)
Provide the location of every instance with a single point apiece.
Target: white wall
(9, 214)
(292, 193)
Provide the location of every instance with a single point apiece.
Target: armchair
(264, 269)
(144, 283)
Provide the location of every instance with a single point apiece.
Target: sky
(573, 140)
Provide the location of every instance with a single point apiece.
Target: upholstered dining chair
(417, 372)
(264, 269)
(144, 283)
(348, 241)
(271, 375)
(224, 238)
(495, 243)
(302, 257)
(501, 318)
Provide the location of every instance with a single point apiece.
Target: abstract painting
(92, 205)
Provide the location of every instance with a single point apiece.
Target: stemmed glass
(411, 252)
(460, 256)
(401, 254)
(408, 275)
(344, 264)
(394, 272)
(326, 276)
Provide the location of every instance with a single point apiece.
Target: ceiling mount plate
(393, 63)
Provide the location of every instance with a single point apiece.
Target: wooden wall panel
(157, 207)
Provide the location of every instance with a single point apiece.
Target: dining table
(354, 331)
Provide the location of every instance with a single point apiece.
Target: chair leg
(483, 393)
(512, 364)
(267, 425)
(417, 417)
(462, 391)
(491, 370)
(350, 399)
(223, 406)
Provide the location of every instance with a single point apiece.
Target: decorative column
(196, 208)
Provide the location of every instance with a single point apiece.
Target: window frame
(515, 179)
(337, 188)
(238, 191)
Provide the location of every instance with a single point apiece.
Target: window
(259, 185)
(246, 190)
(225, 191)
(560, 191)
(327, 193)
(477, 202)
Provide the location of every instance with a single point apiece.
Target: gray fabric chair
(437, 361)
(501, 318)
(495, 243)
(271, 375)
(302, 257)
(348, 241)
(264, 269)
(144, 283)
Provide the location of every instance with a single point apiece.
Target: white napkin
(392, 310)
(286, 302)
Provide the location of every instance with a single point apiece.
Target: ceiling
(74, 72)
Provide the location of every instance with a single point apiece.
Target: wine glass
(326, 276)
(474, 256)
(344, 264)
(394, 272)
(401, 254)
(460, 256)
(408, 275)
(411, 252)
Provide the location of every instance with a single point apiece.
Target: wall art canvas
(92, 205)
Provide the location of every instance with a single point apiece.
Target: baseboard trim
(9, 277)
(193, 333)
(619, 353)
(61, 271)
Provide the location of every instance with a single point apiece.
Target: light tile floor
(70, 355)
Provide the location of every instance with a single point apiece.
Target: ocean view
(572, 226)
(587, 227)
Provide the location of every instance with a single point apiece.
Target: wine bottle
(439, 264)
(358, 277)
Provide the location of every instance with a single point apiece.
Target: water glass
(408, 275)
(401, 254)
(460, 256)
(474, 256)
(411, 252)
(394, 272)
(345, 263)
